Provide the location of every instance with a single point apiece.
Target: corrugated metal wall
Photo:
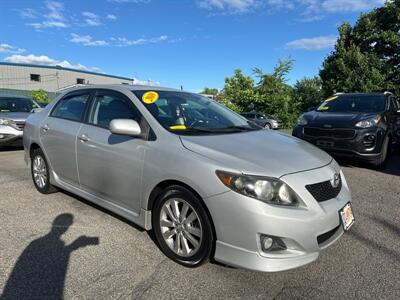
(15, 77)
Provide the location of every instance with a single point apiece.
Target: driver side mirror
(312, 108)
(125, 127)
(36, 110)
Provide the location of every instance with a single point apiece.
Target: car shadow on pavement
(392, 164)
(40, 270)
(11, 148)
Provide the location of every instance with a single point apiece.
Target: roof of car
(126, 87)
(15, 97)
(363, 94)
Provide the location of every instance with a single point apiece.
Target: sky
(189, 43)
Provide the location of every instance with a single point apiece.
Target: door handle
(83, 138)
(45, 128)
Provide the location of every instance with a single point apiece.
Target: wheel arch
(33, 147)
(160, 187)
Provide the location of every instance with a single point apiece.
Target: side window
(107, 107)
(71, 107)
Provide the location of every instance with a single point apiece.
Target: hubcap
(180, 227)
(39, 171)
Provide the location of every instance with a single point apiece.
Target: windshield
(187, 113)
(16, 105)
(350, 103)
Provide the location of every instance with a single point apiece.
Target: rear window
(354, 103)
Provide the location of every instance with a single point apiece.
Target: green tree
(239, 90)
(308, 93)
(275, 95)
(40, 96)
(366, 57)
(210, 91)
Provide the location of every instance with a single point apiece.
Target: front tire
(380, 163)
(182, 227)
(40, 173)
(268, 126)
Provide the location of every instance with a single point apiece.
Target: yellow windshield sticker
(331, 99)
(150, 97)
(178, 127)
(324, 108)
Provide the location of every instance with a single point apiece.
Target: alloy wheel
(39, 171)
(181, 227)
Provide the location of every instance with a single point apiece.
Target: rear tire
(268, 126)
(40, 173)
(182, 227)
(380, 163)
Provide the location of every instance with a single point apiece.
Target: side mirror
(36, 110)
(125, 127)
(311, 108)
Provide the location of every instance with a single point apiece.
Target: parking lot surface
(89, 253)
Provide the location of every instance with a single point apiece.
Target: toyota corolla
(209, 183)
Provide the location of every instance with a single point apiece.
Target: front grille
(324, 191)
(20, 125)
(327, 235)
(330, 133)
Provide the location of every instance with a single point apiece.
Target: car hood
(335, 120)
(262, 152)
(15, 116)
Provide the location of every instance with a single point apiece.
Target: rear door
(58, 134)
(110, 166)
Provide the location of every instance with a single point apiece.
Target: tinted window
(108, 107)
(16, 105)
(71, 107)
(354, 103)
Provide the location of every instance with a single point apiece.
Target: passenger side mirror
(311, 108)
(125, 127)
(36, 110)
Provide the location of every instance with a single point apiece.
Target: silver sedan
(209, 183)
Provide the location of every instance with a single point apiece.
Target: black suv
(360, 125)
(268, 122)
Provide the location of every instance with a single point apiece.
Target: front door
(58, 135)
(110, 166)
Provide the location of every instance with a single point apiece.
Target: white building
(24, 77)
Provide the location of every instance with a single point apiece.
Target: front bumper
(355, 147)
(10, 136)
(239, 221)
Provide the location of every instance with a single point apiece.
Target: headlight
(302, 121)
(7, 122)
(269, 190)
(369, 122)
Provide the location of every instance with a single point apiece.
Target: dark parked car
(263, 120)
(13, 112)
(359, 125)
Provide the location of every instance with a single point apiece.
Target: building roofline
(63, 69)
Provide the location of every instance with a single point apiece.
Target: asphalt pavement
(59, 245)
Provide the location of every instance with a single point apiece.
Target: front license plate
(346, 216)
(327, 144)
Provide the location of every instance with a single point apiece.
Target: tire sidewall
(47, 186)
(203, 254)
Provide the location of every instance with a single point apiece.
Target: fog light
(371, 137)
(266, 243)
(2, 136)
(269, 243)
